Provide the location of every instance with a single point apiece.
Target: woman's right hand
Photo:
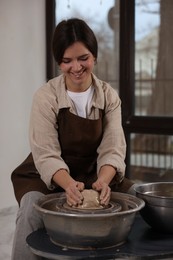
(73, 193)
(71, 187)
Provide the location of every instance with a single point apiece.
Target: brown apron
(79, 139)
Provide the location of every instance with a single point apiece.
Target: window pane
(103, 17)
(153, 57)
(151, 157)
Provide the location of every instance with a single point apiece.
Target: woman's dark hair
(70, 31)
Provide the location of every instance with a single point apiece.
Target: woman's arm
(112, 149)
(43, 134)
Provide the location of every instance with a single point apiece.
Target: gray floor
(7, 227)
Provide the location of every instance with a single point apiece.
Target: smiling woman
(76, 136)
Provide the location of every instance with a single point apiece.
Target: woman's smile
(78, 74)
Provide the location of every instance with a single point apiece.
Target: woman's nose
(76, 65)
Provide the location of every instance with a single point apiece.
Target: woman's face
(77, 65)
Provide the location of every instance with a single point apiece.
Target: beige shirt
(43, 134)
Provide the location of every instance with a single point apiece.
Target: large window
(135, 55)
(153, 58)
(151, 154)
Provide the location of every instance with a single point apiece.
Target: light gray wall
(22, 71)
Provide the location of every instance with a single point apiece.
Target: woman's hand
(73, 193)
(106, 174)
(72, 188)
(105, 190)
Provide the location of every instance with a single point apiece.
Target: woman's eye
(83, 58)
(66, 61)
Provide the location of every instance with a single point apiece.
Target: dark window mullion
(126, 88)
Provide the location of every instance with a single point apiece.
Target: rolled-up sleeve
(112, 149)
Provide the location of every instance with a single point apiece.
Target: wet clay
(90, 200)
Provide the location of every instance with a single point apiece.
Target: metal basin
(158, 210)
(89, 229)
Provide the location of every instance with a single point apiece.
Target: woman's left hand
(105, 190)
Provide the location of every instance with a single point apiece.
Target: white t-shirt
(82, 101)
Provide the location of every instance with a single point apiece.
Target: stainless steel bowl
(158, 210)
(87, 230)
